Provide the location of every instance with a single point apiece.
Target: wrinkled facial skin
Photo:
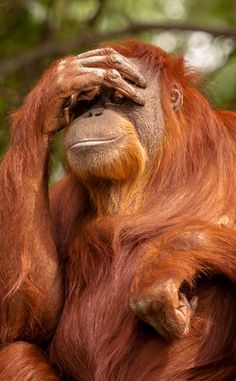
(105, 133)
(148, 119)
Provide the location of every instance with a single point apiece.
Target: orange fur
(177, 231)
(179, 224)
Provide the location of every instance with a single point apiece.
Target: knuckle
(138, 76)
(99, 75)
(77, 61)
(80, 56)
(115, 58)
(95, 74)
(83, 70)
(109, 51)
(113, 74)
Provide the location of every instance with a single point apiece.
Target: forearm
(23, 178)
(29, 270)
(182, 255)
(211, 250)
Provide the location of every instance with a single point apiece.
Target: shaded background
(34, 32)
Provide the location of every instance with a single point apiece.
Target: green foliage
(26, 25)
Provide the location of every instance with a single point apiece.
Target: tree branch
(79, 41)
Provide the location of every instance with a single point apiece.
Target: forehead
(149, 73)
(149, 59)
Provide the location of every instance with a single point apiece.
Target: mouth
(93, 142)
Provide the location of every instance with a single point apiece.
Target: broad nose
(93, 112)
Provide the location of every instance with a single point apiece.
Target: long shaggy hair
(191, 192)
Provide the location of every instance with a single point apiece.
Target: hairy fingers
(97, 52)
(113, 79)
(125, 67)
(81, 77)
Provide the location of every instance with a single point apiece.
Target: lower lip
(93, 143)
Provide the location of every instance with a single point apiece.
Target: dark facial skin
(98, 128)
(147, 119)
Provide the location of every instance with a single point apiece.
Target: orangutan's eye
(117, 98)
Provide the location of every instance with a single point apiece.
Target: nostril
(93, 112)
(98, 112)
(87, 114)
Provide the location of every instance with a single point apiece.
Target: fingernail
(141, 101)
(143, 82)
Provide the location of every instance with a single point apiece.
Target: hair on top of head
(173, 66)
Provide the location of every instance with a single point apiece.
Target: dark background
(34, 32)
